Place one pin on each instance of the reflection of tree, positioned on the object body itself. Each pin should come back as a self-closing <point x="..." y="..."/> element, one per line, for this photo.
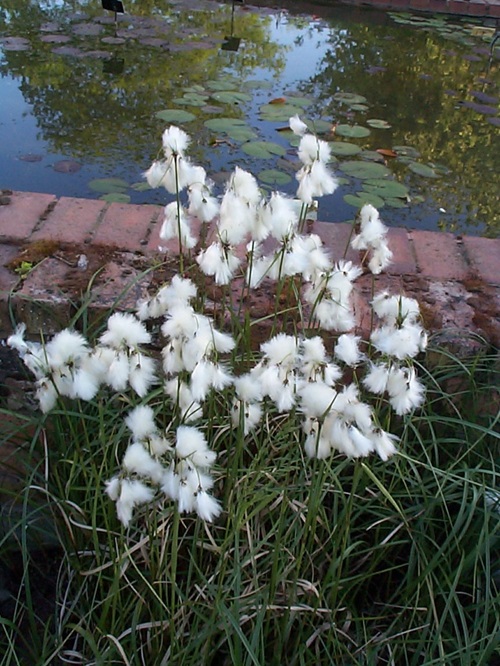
<point x="83" y="110"/>
<point x="411" y="93"/>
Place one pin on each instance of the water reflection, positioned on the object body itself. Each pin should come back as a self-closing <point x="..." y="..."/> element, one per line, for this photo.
<point x="91" y="93"/>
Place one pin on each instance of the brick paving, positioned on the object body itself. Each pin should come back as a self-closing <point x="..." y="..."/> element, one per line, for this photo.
<point x="473" y="8"/>
<point x="121" y="240"/>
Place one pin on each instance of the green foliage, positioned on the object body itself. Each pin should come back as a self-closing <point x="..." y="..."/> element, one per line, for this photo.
<point x="312" y="561"/>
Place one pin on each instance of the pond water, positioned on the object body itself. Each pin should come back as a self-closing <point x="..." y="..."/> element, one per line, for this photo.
<point x="409" y="103"/>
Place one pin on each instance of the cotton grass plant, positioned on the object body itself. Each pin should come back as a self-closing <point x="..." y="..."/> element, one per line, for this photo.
<point x="300" y="500"/>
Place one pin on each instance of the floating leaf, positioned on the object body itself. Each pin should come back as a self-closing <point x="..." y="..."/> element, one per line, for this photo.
<point x="67" y="166"/>
<point x="359" y="199"/>
<point x="406" y="151"/>
<point x="386" y="152"/>
<point x="299" y="101"/>
<point x="364" y="170"/>
<point x="289" y="136"/>
<point x="278" y="100"/>
<point x="319" y="126"/>
<point x="342" y="181"/>
<point x="231" y="96"/>
<point x="175" y="116"/>
<point x="222" y="84"/>
<point x="378" y="124"/>
<point x="196" y="88"/>
<point x="141" y="186"/>
<point x="386" y="188"/>
<point x="359" y="107"/>
<point x="274" y="177"/>
<point x="225" y="124"/>
<point x="259" y="85"/>
<point x="108" y="185"/>
<point x="344" y="148"/>
<point x="423" y="170"/>
<point x="241" y="133"/>
<point x="116" y="197"/>
<point x="352" y="131"/>
<point x="212" y="108"/>
<point x="191" y="99"/>
<point x="396" y="203"/>
<point x="481" y="108"/>
<point x="349" y="98"/>
<point x="372" y="156"/>
<point x="31" y="157"/>
<point x="278" y="112"/>
<point x="262" y="149"/>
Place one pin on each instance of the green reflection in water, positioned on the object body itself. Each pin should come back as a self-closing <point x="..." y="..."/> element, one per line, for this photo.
<point x="95" y="92"/>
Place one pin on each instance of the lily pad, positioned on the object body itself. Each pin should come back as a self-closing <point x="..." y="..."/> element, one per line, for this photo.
<point x="231" y="96"/>
<point x="386" y="188"/>
<point x="191" y="99"/>
<point x="349" y="98"/>
<point x="406" y="151"/>
<point x="396" y="203"/>
<point x="359" y="107"/>
<point x="108" y="185"/>
<point x="225" y="124"/>
<point x="175" y="116"/>
<point x="274" y="177"/>
<point x="352" y="131"/>
<point x="423" y="170"/>
<point x="318" y="126"/>
<point x="364" y="170"/>
<point x="116" y="197"/>
<point x="372" y="156"/>
<point x="263" y="149"/>
<point x="195" y="88"/>
<point x="343" y="148"/>
<point x="359" y="199"/>
<point x="258" y="85"/>
<point x="141" y="186"/>
<point x="222" y="84"/>
<point x="67" y="166"/>
<point x="376" y="123"/>
<point x="295" y="100"/>
<point x="241" y="134"/>
<point x="279" y="112"/>
<point x="31" y="157"/>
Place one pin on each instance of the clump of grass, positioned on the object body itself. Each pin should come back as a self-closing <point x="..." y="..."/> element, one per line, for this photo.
<point x="305" y="549"/>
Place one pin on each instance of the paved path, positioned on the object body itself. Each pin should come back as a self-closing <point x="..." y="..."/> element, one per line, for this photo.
<point x="478" y="8"/>
<point x="456" y="278"/>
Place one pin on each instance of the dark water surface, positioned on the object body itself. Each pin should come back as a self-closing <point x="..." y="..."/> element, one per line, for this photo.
<point x="408" y="100"/>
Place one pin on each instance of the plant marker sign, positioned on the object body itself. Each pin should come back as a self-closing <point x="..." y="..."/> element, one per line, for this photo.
<point x="115" y="6"/>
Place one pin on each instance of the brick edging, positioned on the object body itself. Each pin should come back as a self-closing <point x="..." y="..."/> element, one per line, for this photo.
<point x="445" y="269"/>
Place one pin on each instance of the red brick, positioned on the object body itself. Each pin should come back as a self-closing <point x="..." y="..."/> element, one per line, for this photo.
<point x="119" y="285"/>
<point x="43" y="303"/>
<point x="171" y="246"/>
<point x="438" y="255"/>
<point x="476" y="8"/>
<point x="400" y="4"/>
<point x="20" y="217"/>
<point x="124" y="226"/>
<point x="437" y="6"/>
<point x="71" y="221"/>
<point x="494" y="11"/>
<point x="457" y="6"/>
<point x="484" y="256"/>
<point x="336" y="237"/>
<point x="8" y="280"/>
<point x="403" y="262"/>
<point x="419" y="4"/>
